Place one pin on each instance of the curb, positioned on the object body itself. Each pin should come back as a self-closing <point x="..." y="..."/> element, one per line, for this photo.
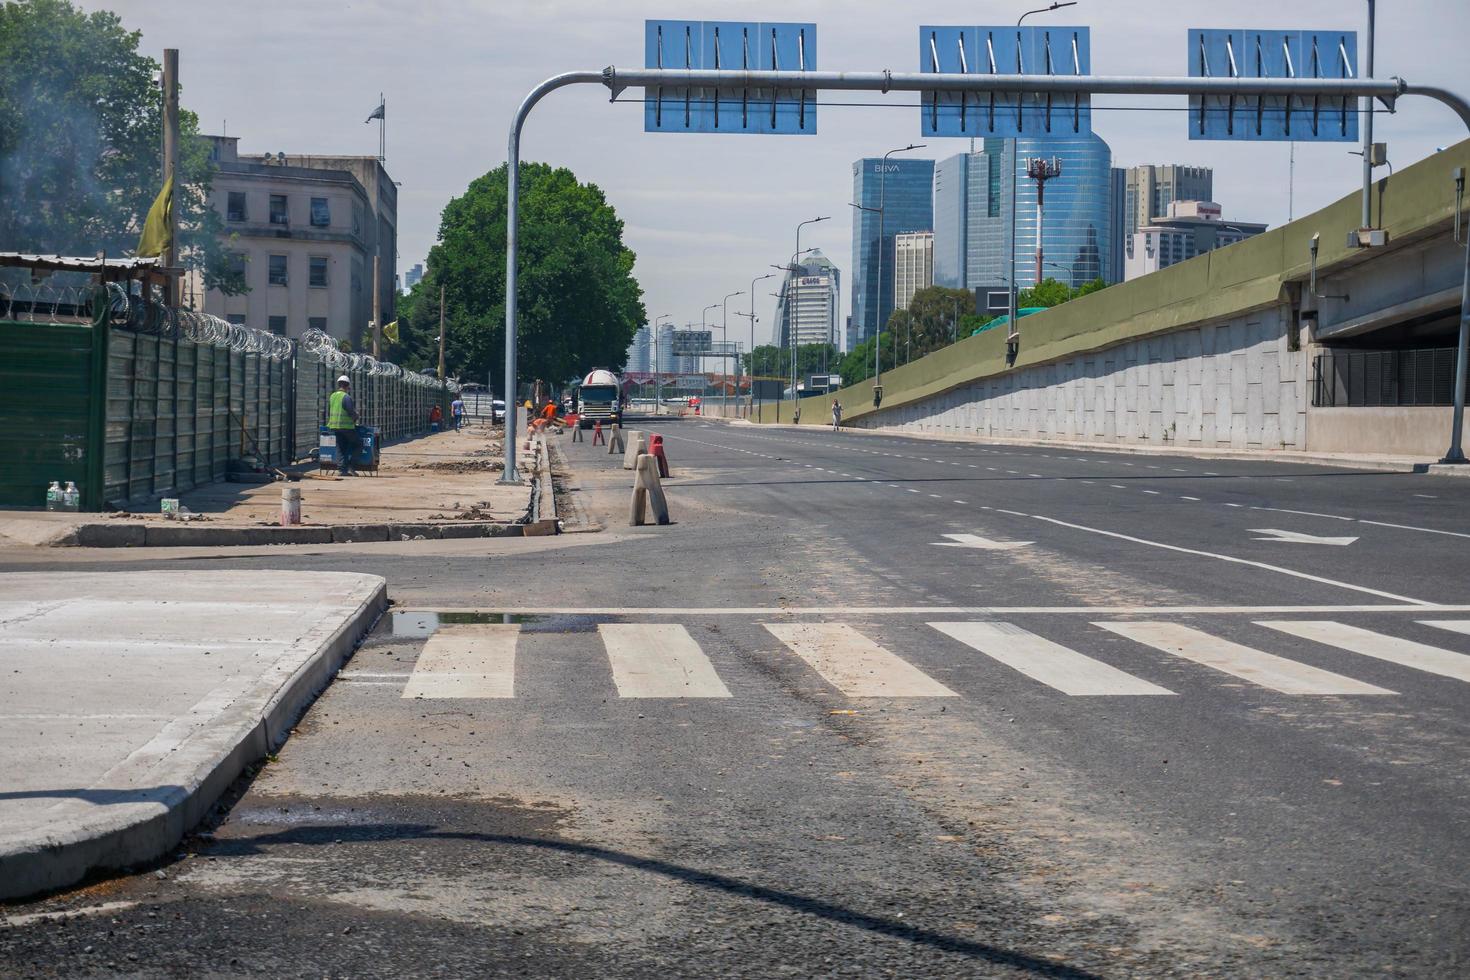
<point x="239" y="735"/>
<point x="580" y="520"/>
<point x="543" y="522"/>
<point x="187" y="536"/>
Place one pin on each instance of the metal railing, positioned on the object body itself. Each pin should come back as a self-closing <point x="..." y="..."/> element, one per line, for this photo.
<point x="1347" y="378"/>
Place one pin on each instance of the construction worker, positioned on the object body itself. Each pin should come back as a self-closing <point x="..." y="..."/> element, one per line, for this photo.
<point x="342" y="421"/>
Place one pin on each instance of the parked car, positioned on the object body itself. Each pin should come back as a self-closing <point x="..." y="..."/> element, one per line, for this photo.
<point x="497" y="410"/>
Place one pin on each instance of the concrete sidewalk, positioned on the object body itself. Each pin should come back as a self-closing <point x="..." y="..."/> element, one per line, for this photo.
<point x="130" y="700"/>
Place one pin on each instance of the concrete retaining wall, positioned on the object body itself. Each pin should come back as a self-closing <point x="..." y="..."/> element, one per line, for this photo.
<point x="1226" y="385"/>
<point x="1407" y="431"/>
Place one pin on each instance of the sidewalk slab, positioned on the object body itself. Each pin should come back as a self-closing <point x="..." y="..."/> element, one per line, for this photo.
<point x="129" y="701"/>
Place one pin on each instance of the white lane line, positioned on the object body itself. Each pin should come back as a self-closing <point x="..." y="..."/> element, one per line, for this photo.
<point x="1266" y="669"/>
<point x="1117" y="486"/>
<point x="659" y="660"/>
<point x="466" y="661"/>
<point x="1232" y="559"/>
<point x="1406" y="653"/>
<point x="1416" y="608"/>
<point x="911" y="490"/>
<point x="1195" y="499"/>
<point x="1037" y="475"/>
<point x="1427" y="496"/>
<point x="854" y="664"/>
<point x="1049" y="663"/>
<point x="1154" y="492"/>
<point x="1235" y="505"/>
<point x="961" y="503"/>
<point x="1453" y="625"/>
<point x="1303" y="513"/>
<point x="1410" y="527"/>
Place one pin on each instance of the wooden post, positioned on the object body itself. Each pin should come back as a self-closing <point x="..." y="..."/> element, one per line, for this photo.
<point x="377" y="308"/>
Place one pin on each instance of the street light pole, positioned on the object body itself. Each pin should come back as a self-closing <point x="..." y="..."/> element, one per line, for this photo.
<point x="1011" y="290"/>
<point x="658" y="379"/>
<point x="882" y="247"/>
<point x="791" y="294"/>
<point x="724" y="339"/>
<point x="750" y="408"/>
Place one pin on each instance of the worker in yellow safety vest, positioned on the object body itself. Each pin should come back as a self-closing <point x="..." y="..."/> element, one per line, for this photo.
<point x="342" y="420"/>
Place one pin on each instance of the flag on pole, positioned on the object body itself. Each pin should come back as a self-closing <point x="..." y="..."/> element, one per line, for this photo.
<point x="378" y="113"/>
<point x="390" y="332"/>
<point x="156" y="236"/>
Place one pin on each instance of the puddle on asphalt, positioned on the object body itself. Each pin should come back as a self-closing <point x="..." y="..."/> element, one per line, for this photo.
<point x="411" y="624"/>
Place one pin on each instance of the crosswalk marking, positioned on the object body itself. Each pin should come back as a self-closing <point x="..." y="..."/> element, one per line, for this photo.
<point x="854" y="664"/>
<point x="1407" y="653"/>
<point x="659" y="660"/>
<point x="1050" y="663"/>
<point x="1453" y="625"/>
<point x="466" y="662"/>
<point x="1265" y="669"/>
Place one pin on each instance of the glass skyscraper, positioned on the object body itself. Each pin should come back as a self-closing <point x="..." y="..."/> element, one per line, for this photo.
<point x="907" y="194"/>
<point x="972" y="192"/>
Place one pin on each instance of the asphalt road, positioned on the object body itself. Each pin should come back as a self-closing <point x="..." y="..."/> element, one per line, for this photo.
<point x="872" y="705"/>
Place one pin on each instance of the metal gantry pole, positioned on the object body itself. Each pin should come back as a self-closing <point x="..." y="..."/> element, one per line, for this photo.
<point x="724" y="339"/>
<point x="1385" y="90"/>
<point x="1368" y="131"/>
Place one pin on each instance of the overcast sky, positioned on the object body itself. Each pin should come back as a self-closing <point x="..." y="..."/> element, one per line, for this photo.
<point x="706" y="213"/>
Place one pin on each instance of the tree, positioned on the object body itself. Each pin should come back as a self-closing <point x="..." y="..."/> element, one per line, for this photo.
<point x="81" y="126"/>
<point x="857" y="364"/>
<point x="768" y="361"/>
<point x="579" y="304"/>
<point x="1049" y="292"/>
<point x="933" y="319"/>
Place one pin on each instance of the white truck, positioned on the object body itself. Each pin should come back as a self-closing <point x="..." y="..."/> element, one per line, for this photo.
<point x="600" y="399"/>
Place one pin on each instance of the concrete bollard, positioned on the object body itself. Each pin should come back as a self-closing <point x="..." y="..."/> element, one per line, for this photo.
<point x="615" y="443"/>
<point x="637" y="446"/>
<point x="290" y="506"/>
<point x="648" y="491"/>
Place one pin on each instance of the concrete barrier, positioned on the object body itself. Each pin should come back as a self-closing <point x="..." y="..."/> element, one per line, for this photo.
<point x="637" y="446"/>
<point x="648" y="492"/>
<point x="615" y="440"/>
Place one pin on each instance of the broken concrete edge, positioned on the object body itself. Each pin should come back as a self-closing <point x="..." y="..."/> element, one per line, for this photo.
<point x="545" y="491"/>
<point x="1386" y="465"/>
<point x="572" y="512"/>
<point x="187" y="536"/>
<point x="215" y="755"/>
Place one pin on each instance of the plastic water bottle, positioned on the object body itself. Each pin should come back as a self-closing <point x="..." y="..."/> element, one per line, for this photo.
<point x="71" y="497"/>
<point x="53" y="496"/>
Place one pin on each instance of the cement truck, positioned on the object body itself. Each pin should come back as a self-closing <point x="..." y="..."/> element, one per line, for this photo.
<point x="600" y="399"/>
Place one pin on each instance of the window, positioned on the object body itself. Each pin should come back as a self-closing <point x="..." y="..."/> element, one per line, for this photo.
<point x="278" y="270"/>
<point x="279" y="215"/>
<point x="317" y="323"/>
<point x="278" y="325"/>
<point x="238" y="319"/>
<point x="321" y="212"/>
<point x="318" y="275"/>
<point x="235" y="210"/>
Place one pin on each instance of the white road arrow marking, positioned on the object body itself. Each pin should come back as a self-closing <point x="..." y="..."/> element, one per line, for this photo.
<point x="1297" y="537"/>
<point x="975" y="541"/>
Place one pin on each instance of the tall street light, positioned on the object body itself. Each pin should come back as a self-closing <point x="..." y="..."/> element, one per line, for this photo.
<point x="791" y="312"/>
<point x="658" y="379"/>
<point x="704" y="361"/>
<point x="878" y="304"/>
<point x="769" y="275"/>
<point x="725" y="322"/>
<point x="1011" y="329"/>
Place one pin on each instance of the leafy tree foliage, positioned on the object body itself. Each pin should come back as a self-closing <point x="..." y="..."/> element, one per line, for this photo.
<point x="81" y="127"/>
<point x="936" y="317"/>
<point x="579" y="303"/>
<point x="857" y="364"/>
<point x="770" y="361"/>
<point x="1049" y="292"/>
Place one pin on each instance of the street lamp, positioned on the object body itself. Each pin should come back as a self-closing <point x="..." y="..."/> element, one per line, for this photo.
<point x="724" y="322"/>
<point x="791" y="312"/>
<point x="878" y="304"/>
<point x="658" y="379"/>
<point x="1013" y="347"/>
<point x="751" y="406"/>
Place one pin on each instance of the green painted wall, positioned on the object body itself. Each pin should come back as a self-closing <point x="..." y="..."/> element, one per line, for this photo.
<point x="46" y="404"/>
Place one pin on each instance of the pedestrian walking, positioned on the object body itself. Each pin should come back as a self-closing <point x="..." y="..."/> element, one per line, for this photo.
<point x="456" y="408"/>
<point x="836" y="415"/>
<point x="342" y="421"/>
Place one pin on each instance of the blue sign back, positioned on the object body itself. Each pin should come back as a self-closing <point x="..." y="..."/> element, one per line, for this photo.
<point x="1273" y="54"/>
<point x="729" y="46"/>
<point x="1005" y="51"/>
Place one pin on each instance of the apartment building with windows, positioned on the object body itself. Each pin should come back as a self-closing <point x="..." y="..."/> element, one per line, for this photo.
<point x="303" y="231"/>
<point x="913" y="265"/>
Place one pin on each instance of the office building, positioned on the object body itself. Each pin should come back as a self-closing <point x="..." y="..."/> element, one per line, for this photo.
<point x="303" y="231"/>
<point x="972" y="219"/>
<point x="1151" y="188"/>
<point x="1190" y="228"/>
<point x="809" y="296"/>
<point x="413" y="276"/>
<point x="640" y="352"/>
<point x="913" y="265"/>
<point x="905" y="189"/>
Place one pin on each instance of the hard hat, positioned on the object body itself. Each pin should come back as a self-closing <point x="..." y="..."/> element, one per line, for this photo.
<point x="344" y="380"/>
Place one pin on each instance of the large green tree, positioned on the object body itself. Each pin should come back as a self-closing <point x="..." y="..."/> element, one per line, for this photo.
<point x="80" y="134"/>
<point x="579" y="303"/>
